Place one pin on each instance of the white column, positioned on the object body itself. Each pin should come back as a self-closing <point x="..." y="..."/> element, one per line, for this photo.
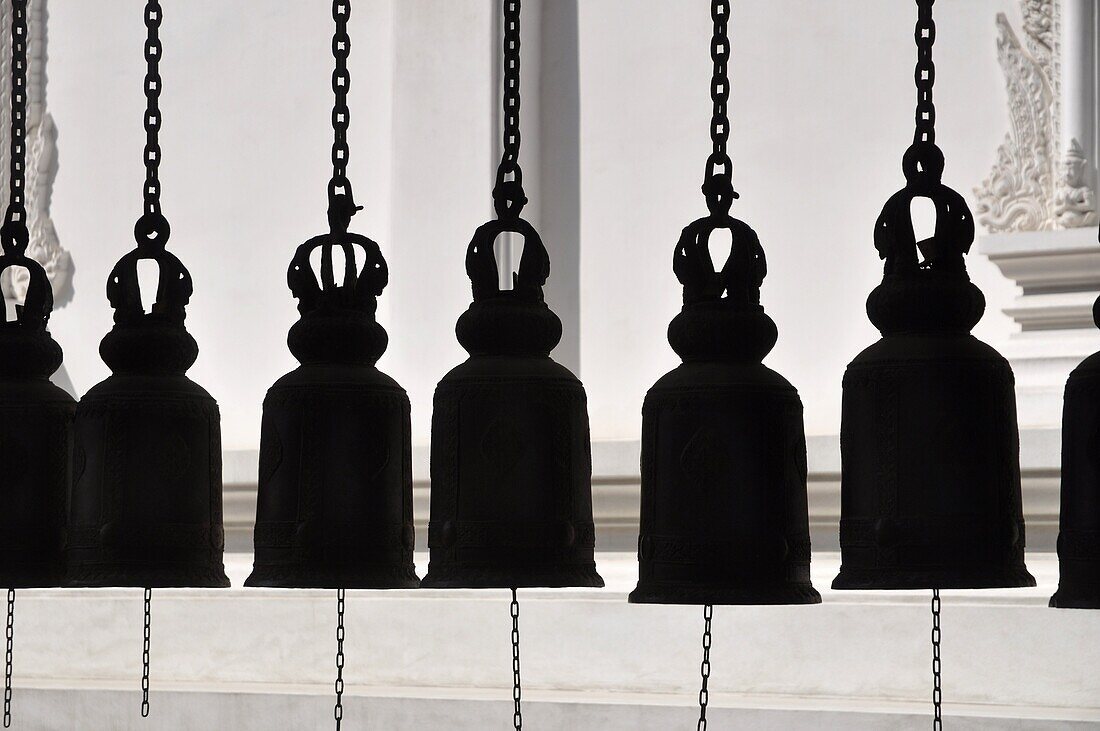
<point x="1079" y="95"/>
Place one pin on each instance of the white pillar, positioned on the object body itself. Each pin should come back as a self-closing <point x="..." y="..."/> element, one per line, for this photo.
<point x="1079" y="95"/>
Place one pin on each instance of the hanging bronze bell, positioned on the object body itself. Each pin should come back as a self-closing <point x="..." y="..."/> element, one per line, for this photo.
<point x="930" y="483"/>
<point x="511" y="470"/>
<point x="1079" y="520"/>
<point x="36" y="420"/>
<point x="724" y="514"/>
<point x="335" y="489"/>
<point x="146" y="504"/>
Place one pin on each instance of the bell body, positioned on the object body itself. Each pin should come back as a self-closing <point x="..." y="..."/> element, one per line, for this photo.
<point x="146" y="501"/>
<point x="930" y="467"/>
<point x="335" y="495"/>
<point x="146" y="507"/>
<point x="335" y="486"/>
<point x="723" y="514"/>
<point x="511" y="470"/>
<point x="36" y="421"/>
<point x="1079" y="522"/>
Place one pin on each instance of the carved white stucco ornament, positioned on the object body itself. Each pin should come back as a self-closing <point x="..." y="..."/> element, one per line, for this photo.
<point x="44" y="246"/>
<point x="1039" y="181"/>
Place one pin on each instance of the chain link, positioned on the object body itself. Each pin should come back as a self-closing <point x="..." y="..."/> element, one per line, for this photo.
<point x="937" y="694"/>
<point x="510" y="158"/>
<point x="704" y="668"/>
<point x="145" y="654"/>
<point x="17" y="211"/>
<point x="720" y="82"/>
<point x="508" y="195"/>
<point x="338" y="710"/>
<point x="10" y="634"/>
<point x="925" y="74"/>
<point x="153" y="52"/>
<point x="718" y="180"/>
<point x="341" y="84"/>
<point x="517" y="715"/>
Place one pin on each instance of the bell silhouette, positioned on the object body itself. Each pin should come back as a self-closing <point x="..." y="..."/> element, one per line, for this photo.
<point x="335" y="486"/>
<point x="35" y="431"/>
<point x="146" y="504"/>
<point x="930" y="483"/>
<point x="1079" y="520"/>
<point x="511" y="468"/>
<point x="724" y="515"/>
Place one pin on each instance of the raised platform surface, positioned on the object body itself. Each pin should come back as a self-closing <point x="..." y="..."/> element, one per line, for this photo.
<point x="263" y="659"/>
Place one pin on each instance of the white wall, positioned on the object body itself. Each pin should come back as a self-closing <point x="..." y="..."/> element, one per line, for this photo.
<point x="822" y="110"/>
<point x="822" y="106"/>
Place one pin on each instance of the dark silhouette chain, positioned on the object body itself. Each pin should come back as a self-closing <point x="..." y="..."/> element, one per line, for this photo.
<point x="145" y="654"/>
<point x="704" y="668"/>
<point x="937" y="692"/>
<point x="153" y="52"/>
<point x="338" y="710"/>
<point x="508" y="195"/>
<point x="341" y="115"/>
<point x="17" y="211"/>
<point x="10" y="634"/>
<point x="718" y="180"/>
<point x="720" y="82"/>
<point x="510" y="158"/>
<point x="517" y="715"/>
<point x="925" y="75"/>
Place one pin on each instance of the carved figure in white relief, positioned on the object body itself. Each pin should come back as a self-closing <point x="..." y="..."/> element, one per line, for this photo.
<point x="1031" y="186"/>
<point x="1074" y="200"/>
<point x="1016" y="195"/>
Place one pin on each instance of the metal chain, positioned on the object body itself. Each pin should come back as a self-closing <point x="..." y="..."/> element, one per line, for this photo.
<point x="720" y="82"/>
<point x="10" y="634"/>
<point x="937" y="693"/>
<point x="341" y="84"/>
<point x="508" y="195"/>
<point x="153" y="52"/>
<point x="17" y="211"/>
<point x="704" y="668"/>
<point x="517" y="715"/>
<point x="145" y="655"/>
<point x="718" y="180"/>
<point x="925" y="74"/>
<point x="510" y="159"/>
<point x="338" y="711"/>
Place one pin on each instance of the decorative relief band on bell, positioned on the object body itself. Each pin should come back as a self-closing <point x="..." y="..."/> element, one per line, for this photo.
<point x="518" y="534"/>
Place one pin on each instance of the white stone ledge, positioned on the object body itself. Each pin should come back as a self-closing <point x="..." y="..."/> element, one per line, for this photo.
<point x="615" y="491"/>
<point x="243" y="658"/>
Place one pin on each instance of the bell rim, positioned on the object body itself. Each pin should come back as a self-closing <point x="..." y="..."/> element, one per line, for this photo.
<point x="512" y="577"/>
<point x="1063" y="599"/>
<point x="801" y="594"/>
<point x="122" y="576"/>
<point x="901" y="580"/>
<point x="303" y="577"/>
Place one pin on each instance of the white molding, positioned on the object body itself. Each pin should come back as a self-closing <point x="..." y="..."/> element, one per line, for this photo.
<point x="616" y="491"/>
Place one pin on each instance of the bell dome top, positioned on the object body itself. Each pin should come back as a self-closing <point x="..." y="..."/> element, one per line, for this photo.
<point x="925" y="285"/>
<point x="338" y="303"/>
